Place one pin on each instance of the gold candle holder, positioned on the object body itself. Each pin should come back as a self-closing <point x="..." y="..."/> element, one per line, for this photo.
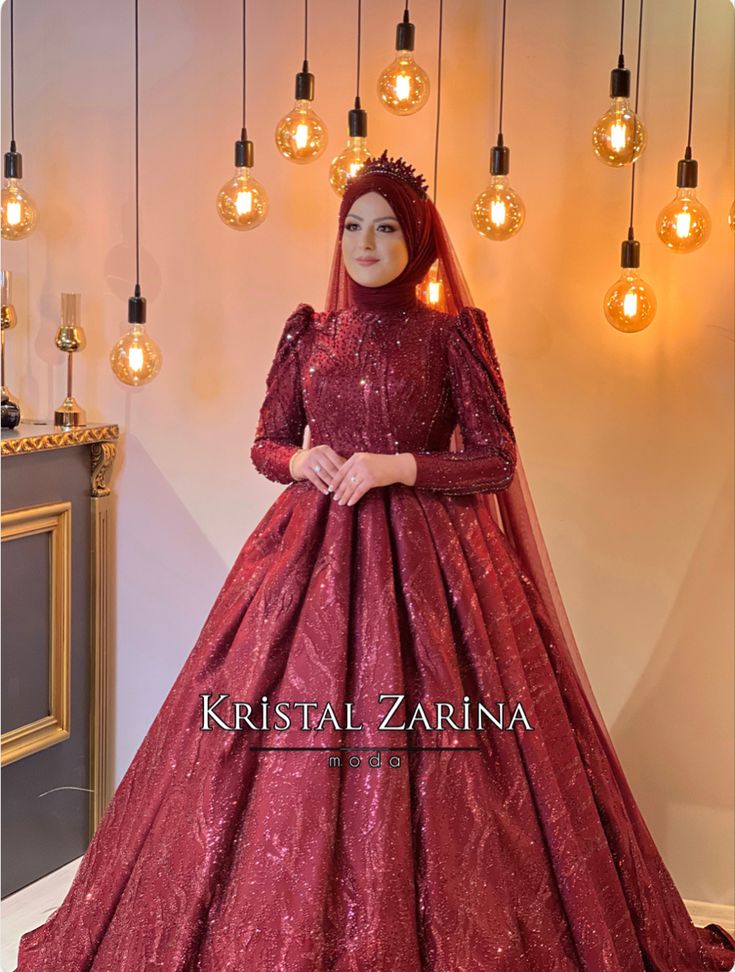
<point x="9" y="407"/>
<point x="70" y="338"/>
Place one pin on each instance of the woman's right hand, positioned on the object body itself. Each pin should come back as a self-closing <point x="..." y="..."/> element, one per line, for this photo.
<point x="318" y="464"/>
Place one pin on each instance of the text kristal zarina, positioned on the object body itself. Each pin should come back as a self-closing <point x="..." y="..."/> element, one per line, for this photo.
<point x="398" y="715"/>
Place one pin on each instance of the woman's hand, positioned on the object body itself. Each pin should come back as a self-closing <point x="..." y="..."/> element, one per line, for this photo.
<point x="319" y="465"/>
<point x="371" y="469"/>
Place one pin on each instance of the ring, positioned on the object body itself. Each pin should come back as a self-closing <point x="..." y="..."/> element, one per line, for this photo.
<point x="353" y="478"/>
<point x="317" y="468"/>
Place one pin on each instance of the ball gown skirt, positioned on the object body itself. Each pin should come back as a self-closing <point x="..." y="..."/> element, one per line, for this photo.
<point x="507" y="848"/>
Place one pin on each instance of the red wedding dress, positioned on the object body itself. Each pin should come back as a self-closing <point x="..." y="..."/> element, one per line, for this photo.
<point x="524" y="852"/>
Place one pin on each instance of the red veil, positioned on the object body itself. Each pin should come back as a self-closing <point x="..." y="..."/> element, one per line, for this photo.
<point x="512" y="508"/>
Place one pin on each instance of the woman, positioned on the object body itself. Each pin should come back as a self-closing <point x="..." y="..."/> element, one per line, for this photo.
<point x="318" y="791"/>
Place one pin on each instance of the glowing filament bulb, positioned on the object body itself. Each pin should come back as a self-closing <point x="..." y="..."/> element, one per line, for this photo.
<point x="135" y="359"/>
<point x="498" y="212"/>
<point x="244" y="202"/>
<point x="684" y="224"/>
<point x="630" y="303"/>
<point x="13" y="212"/>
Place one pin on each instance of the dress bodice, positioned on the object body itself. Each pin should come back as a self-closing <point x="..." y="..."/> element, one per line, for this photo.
<point x="390" y="382"/>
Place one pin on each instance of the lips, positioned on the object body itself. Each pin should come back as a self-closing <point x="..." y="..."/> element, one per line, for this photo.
<point x="366" y="261"/>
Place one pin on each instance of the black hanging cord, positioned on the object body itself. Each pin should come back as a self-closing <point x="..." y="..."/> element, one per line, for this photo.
<point x="306" y="29"/>
<point x="438" y="96"/>
<point x="502" y="78"/>
<point x="688" y="153"/>
<point x="622" y="30"/>
<point x="637" y="86"/>
<point x="244" y="62"/>
<point x="12" y="80"/>
<point x="405" y="12"/>
<point x="137" y="191"/>
<point x="359" y="35"/>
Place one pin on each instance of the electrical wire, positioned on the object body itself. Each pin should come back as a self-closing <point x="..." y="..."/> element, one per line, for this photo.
<point x="438" y="96"/>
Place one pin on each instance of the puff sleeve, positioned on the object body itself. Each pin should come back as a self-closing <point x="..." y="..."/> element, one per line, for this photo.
<point x="282" y="420"/>
<point x="487" y="460"/>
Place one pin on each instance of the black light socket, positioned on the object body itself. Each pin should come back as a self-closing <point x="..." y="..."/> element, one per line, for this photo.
<point x="499" y="160"/>
<point x="686" y="174"/>
<point x="136" y="310"/>
<point x="357" y="121"/>
<point x="305" y="84"/>
<point x="244" y="153"/>
<point x="405" y="34"/>
<point x="13" y="163"/>
<point x="630" y="254"/>
<point x="620" y="82"/>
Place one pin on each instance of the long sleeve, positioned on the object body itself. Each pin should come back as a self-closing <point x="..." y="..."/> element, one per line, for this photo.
<point x="487" y="460"/>
<point x="282" y="419"/>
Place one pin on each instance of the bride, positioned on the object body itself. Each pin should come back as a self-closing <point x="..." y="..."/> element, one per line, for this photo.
<point x="404" y="559"/>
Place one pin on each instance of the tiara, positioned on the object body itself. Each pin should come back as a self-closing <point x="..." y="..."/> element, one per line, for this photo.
<point x="398" y="168"/>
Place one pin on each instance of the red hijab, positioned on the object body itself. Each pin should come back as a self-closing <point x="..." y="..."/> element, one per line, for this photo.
<point x="413" y="213"/>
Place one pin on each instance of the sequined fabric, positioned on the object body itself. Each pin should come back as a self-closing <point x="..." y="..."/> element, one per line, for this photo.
<point x="522" y="851"/>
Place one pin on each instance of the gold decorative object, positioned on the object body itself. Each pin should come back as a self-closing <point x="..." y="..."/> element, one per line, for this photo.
<point x="10" y="407"/>
<point x="70" y="338"/>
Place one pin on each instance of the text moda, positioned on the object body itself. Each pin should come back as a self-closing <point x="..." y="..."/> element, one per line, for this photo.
<point x="441" y="718"/>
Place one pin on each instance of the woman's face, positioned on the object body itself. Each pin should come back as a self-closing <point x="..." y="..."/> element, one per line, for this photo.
<point x="374" y="248"/>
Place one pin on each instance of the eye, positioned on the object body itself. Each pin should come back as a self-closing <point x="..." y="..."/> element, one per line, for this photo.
<point x="351" y="225"/>
<point x="388" y="227"/>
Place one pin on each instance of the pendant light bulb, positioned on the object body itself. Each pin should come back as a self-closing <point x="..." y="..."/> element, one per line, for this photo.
<point x="431" y="290"/>
<point x="619" y="137"/>
<point x="348" y="163"/>
<point x="630" y="304"/>
<point x="301" y="135"/>
<point x="355" y="154"/>
<point x="403" y="87"/>
<point x="498" y="212"/>
<point x="19" y="213"/>
<point x="136" y="358"/>
<point x="731" y="217"/>
<point x="684" y="224"/>
<point x="242" y="203"/>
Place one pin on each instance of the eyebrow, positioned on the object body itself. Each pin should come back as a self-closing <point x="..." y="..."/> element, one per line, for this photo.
<point x="378" y="220"/>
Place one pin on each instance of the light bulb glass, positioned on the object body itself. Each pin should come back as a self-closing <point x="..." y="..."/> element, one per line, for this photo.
<point x="242" y="203"/>
<point x="619" y="137"/>
<point x="684" y="224"/>
<point x="19" y="213"/>
<point x="403" y="86"/>
<point x="431" y="290"/>
<point x="301" y="135"/>
<point x="136" y="358"/>
<point x="348" y="163"/>
<point x="630" y="304"/>
<point x="498" y="212"/>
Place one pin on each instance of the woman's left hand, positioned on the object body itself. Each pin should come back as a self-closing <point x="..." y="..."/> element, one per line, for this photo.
<point x="370" y="469"/>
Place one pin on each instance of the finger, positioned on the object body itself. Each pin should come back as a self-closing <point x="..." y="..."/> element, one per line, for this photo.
<point x="345" y="470"/>
<point x="324" y="475"/>
<point x="357" y="494"/>
<point x="323" y="467"/>
<point x="347" y="487"/>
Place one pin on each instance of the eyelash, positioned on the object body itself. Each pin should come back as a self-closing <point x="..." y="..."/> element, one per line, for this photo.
<point x="381" y="226"/>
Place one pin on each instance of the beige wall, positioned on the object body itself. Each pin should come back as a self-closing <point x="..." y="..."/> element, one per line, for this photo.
<point x="627" y="440"/>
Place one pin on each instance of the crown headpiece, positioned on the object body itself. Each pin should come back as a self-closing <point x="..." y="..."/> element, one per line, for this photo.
<point x="398" y="168"/>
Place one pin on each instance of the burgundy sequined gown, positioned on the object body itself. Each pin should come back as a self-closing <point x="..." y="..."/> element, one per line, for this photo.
<point x="519" y="855"/>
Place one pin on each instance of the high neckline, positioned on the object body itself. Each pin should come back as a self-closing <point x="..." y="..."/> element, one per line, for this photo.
<point x="389" y="311"/>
